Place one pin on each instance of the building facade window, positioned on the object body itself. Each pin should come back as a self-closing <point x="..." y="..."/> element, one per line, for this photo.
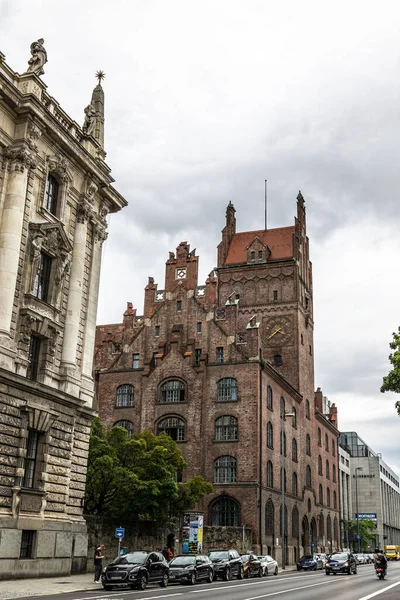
<point x="320" y="466"/>
<point x="33" y="357"/>
<point x="269" y="397"/>
<point x="225" y="512"/>
<point x="334" y="473"/>
<point x="27" y="543"/>
<point x="172" y="426"/>
<point x="283" y="407"/>
<point x="179" y="306"/>
<point x="260" y="255"/>
<point x="270" y="518"/>
<point x="320" y="494"/>
<point x="326" y="443"/>
<point x="124" y="396"/>
<point x="172" y="391"/>
<point x="319" y="437"/>
<point x="275" y="295"/>
<point x="294" y="449"/>
<point x="294" y="483"/>
<point x="219" y="355"/>
<point x="154" y="359"/>
<point x="270" y="474"/>
<point x="135" y="361"/>
<point x="199" y="327"/>
<point x="283" y="472"/>
<point x="31" y="459"/>
<point x="329" y="528"/>
<point x="225" y="469"/>
<point x="252" y="256"/>
<point x="128" y="425"/>
<point x="295" y="522"/>
<point x="294" y="418"/>
<point x="327" y="470"/>
<point x="226" y="429"/>
<point x="333" y="448"/>
<point x="284" y="444"/>
<point x="227" y="390"/>
<point x="307" y="409"/>
<point x="334" y="499"/>
<point x="321" y="526"/>
<point x="197" y="355"/>
<point x="41" y="285"/>
<point x="328" y="497"/>
<point x="308" y="445"/>
<point x="157" y="331"/>
<point x="270" y="435"/>
<point x="51" y="195"/>
<point x="308" y="476"/>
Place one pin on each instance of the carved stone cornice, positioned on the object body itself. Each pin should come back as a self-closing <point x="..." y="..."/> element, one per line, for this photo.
<point x="59" y="165"/>
<point x="84" y="211"/>
<point x="18" y="159"/>
<point x="100" y="232"/>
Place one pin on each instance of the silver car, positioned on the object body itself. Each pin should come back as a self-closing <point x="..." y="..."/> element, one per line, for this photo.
<point x="268" y="564"/>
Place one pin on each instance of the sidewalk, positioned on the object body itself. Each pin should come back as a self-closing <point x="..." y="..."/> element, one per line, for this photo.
<point x="20" y="588"/>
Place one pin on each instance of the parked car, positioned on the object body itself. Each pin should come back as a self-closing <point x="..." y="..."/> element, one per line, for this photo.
<point x="189" y="569"/>
<point x="251" y="565"/>
<point x="269" y="565"/>
<point x="136" y="570"/>
<point x="360" y="558"/>
<point x="341" y="562"/>
<point x="309" y="562"/>
<point x="227" y="564"/>
<point x="323" y="557"/>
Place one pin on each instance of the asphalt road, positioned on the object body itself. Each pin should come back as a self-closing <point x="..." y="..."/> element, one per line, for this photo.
<point x="286" y="586"/>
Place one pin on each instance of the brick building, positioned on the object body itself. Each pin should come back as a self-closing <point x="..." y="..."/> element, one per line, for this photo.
<point x="215" y="366"/>
<point x="55" y="193"/>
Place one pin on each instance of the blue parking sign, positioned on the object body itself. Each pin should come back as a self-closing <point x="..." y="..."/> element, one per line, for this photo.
<point x="120" y="532"/>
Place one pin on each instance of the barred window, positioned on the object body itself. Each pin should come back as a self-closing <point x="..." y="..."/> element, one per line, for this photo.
<point x="128" y="425"/>
<point x="226" y="429"/>
<point x="124" y="395"/>
<point x="294" y="449"/>
<point x="225" y="512"/>
<point x="226" y="390"/>
<point x="174" y="427"/>
<point x="270" y="518"/>
<point x="225" y="469"/>
<point x="270" y="435"/>
<point x="172" y="391"/>
<point x="270" y="474"/>
<point x="269" y="397"/>
<point x="294" y="483"/>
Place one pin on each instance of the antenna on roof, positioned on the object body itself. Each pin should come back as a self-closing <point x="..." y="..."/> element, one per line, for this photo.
<point x="265" y="204"/>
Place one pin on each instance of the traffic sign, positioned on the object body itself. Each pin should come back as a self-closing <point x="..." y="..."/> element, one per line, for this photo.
<point x="120" y="533"/>
<point x="358" y="536"/>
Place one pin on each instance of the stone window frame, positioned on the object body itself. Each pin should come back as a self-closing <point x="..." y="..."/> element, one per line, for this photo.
<point x="57" y="168"/>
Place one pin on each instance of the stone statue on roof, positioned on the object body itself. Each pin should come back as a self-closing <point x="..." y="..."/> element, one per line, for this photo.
<point x="90" y="120"/>
<point x="38" y="58"/>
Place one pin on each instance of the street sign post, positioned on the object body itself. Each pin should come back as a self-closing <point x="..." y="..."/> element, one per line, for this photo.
<point x="119" y="534"/>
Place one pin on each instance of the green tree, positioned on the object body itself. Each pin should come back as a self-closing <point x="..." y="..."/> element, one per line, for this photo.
<point x="365" y="528"/>
<point x="134" y="477"/>
<point x="391" y="382"/>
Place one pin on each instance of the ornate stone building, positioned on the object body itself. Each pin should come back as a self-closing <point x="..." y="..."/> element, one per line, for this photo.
<point x="215" y="366"/>
<point x="55" y="194"/>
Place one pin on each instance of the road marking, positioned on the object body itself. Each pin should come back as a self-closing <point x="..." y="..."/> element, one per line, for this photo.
<point x="380" y="591"/>
<point x="289" y="590"/>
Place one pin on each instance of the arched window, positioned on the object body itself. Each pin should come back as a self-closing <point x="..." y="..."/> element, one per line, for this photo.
<point x="319" y="465"/>
<point x="283" y="409"/>
<point x="225" y="469"/>
<point x="335" y="530"/>
<point x="269" y="397"/>
<point x="270" y="518"/>
<point x="226" y="429"/>
<point x="294" y="483"/>
<point x="294" y="418"/>
<point x="51" y="195"/>
<point x="308" y="476"/>
<point x="226" y="390"/>
<point x="307" y="409"/>
<point x="270" y="435"/>
<point x="327" y="469"/>
<point x="334" y="500"/>
<point x="284" y="443"/>
<point x="286" y="519"/>
<point x="270" y="475"/>
<point x="329" y="527"/>
<point x="320" y="494"/>
<point x="295" y="522"/>
<point x="225" y="512"/>
<point x="172" y="391"/>
<point x="283" y="471"/>
<point x="172" y="426"/>
<point x="124" y="395"/>
<point x="319" y="437"/>
<point x="333" y="448"/>
<point x="294" y="450"/>
<point x="326" y="443"/>
<point x="328" y="497"/>
<point x="308" y="445"/>
<point x="321" y="526"/>
<point x="334" y="473"/>
<point x="128" y="425"/>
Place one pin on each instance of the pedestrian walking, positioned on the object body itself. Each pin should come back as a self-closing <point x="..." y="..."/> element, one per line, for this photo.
<point x="98" y="562"/>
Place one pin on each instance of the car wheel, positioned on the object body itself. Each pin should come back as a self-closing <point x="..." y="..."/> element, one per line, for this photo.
<point x="315" y="568"/>
<point x="164" y="580"/>
<point x="240" y="573"/>
<point x="227" y="574"/>
<point x="192" y="579"/>
<point x="142" y="582"/>
<point x="275" y="572"/>
<point x="260" y="572"/>
<point x="210" y="577"/>
<point x="299" y="568"/>
<point x="247" y="574"/>
<point x="355" y="570"/>
<point x="327" y="572"/>
<point x="107" y="587"/>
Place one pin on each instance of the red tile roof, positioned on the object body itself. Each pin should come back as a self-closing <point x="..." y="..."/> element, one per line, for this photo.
<point x="279" y="241"/>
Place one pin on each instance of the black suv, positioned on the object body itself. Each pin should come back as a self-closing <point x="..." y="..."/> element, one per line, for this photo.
<point x="189" y="569"/>
<point x="136" y="570"/>
<point x="227" y="564"/>
<point x="341" y="562"/>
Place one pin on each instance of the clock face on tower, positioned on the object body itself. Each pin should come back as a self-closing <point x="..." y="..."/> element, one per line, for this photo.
<point x="180" y="273"/>
<point x="278" y="331"/>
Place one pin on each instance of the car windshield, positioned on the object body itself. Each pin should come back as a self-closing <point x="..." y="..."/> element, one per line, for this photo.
<point x="245" y="557"/>
<point x="182" y="561"/>
<point x="307" y="557"/>
<point x="263" y="558"/>
<point x="218" y="555"/>
<point x="339" y="556"/>
<point x="130" y="559"/>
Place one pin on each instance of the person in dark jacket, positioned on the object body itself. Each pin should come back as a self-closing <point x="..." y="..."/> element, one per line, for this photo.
<point x="98" y="562"/>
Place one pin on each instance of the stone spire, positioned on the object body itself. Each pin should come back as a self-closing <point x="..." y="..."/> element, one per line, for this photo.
<point x="98" y="103"/>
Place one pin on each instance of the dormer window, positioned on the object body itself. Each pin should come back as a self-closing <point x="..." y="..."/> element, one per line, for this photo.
<point x="51" y="194"/>
<point x="252" y="256"/>
<point x="260" y="255"/>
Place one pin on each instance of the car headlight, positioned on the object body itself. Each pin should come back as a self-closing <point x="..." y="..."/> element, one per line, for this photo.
<point x="346" y="564"/>
<point x="189" y="568"/>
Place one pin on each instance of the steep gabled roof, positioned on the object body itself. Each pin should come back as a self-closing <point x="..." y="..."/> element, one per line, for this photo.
<point x="279" y="241"/>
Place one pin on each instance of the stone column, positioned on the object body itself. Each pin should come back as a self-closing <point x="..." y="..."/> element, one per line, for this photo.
<point x="11" y="223"/>
<point x="99" y="235"/>
<point x="74" y="303"/>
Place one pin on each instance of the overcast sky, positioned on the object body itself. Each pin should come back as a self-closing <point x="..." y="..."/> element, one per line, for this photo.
<point x="206" y="99"/>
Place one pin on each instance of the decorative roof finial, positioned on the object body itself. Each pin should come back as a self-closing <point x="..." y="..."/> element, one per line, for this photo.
<point x="100" y="76"/>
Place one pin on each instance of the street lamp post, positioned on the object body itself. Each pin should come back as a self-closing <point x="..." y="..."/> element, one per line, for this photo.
<point x="357" y="517"/>
<point x="283" y="417"/>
